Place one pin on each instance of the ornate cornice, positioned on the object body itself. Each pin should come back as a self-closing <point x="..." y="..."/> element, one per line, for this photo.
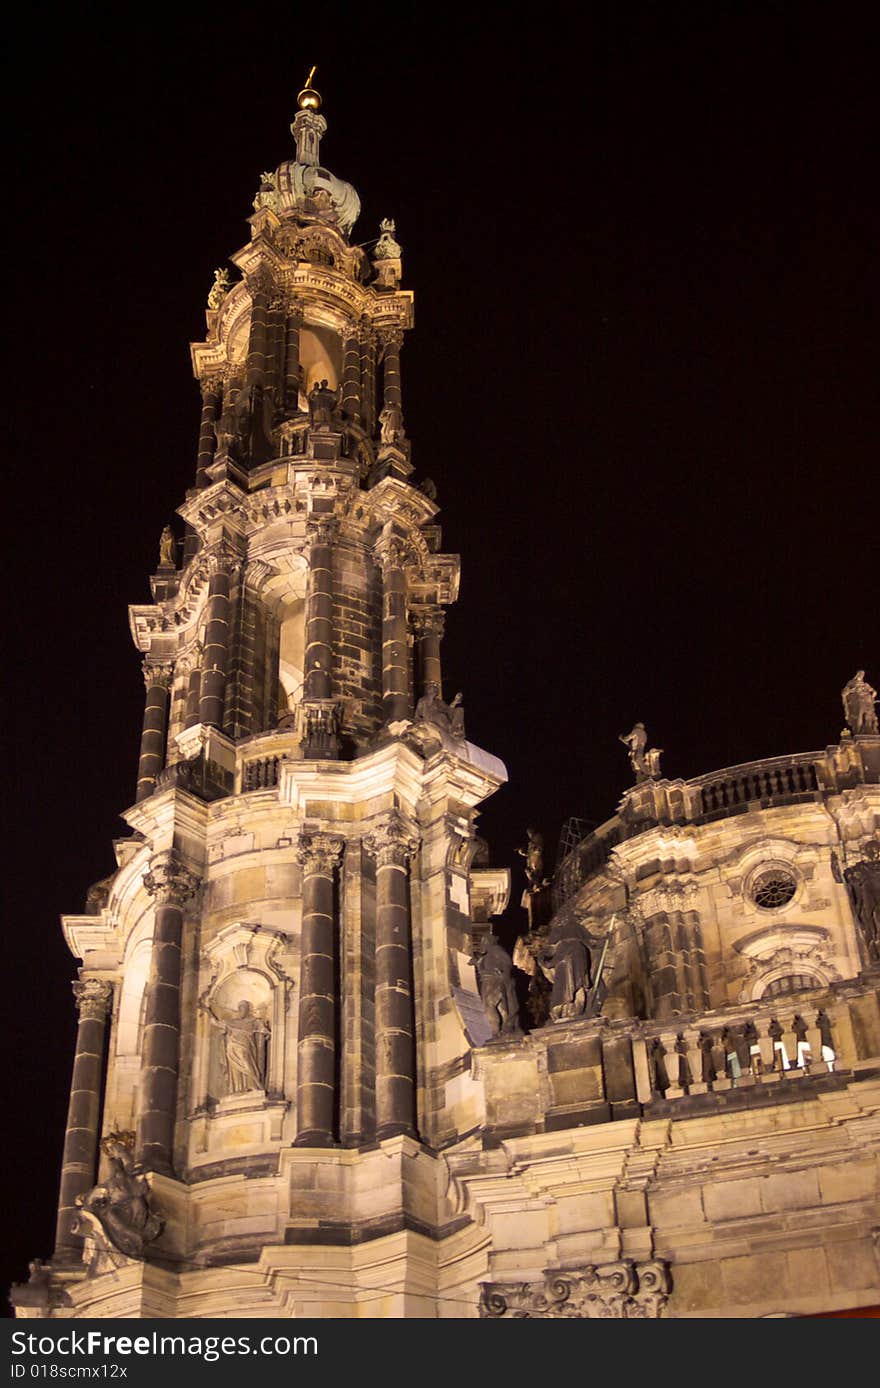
<point x="621" y="1291"/>
<point x="93" y="997"/>
<point x="392" y="841"/>
<point x="669" y="897"/>
<point x="319" y="853"/>
<point x="169" y="881"/>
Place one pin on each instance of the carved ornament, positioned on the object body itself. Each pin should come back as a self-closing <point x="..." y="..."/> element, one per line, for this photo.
<point x="613" y="1291"/>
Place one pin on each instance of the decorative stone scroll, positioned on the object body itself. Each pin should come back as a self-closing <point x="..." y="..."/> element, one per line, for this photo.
<point x="613" y="1291"/>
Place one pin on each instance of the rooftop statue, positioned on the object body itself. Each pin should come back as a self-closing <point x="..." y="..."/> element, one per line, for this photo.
<point x="167" y="549"/>
<point x="644" y="762"/>
<point x="386" y="247"/>
<point x="498" y="990"/>
<point x="859" y="700"/>
<point x="219" y="289"/>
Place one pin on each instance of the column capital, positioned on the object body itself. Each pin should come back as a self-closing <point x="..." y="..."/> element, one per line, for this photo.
<point x="392" y="841"/>
<point x="93" y="997"/>
<point x="319" y="852"/>
<point x="156" y="674"/>
<point x="391" y="337"/>
<point x="169" y="881"/>
<point x="222" y="558"/>
<point x="260" y="282"/>
<point x="323" y="531"/>
<point x="211" y="385"/>
<point x="393" y="553"/>
<point x="428" y="621"/>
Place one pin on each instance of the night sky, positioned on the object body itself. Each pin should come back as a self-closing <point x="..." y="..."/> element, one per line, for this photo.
<point x="643" y="377"/>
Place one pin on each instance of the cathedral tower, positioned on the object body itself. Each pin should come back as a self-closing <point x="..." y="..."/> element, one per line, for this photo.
<point x="270" y="961"/>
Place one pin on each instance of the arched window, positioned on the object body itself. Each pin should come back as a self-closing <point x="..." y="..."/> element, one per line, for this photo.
<point x="291" y="655"/>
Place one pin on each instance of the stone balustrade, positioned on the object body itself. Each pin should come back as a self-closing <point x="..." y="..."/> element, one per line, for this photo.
<point x="258" y="760"/>
<point x="569" y="1073"/>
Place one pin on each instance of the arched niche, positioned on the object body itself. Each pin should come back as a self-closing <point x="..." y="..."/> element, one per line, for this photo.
<point x="320" y="355"/>
<point x="291" y="653"/>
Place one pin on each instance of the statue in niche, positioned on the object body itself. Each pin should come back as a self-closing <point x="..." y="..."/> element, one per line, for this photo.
<point x="859" y="701"/>
<point x="322" y="405"/>
<point x="120" y="1207"/>
<point x="391" y="426"/>
<point x="245" y="1048"/>
<point x="863" y="886"/>
<point x="219" y="289"/>
<point x="498" y="990"/>
<point x="432" y="709"/>
<point x="167" y="549"/>
<point x="645" y="762"/>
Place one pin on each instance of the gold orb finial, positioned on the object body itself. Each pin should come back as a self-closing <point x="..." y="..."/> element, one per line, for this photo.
<point x="308" y="99"/>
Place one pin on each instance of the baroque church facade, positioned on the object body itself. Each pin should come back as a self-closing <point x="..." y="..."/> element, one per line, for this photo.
<point x="307" y="1080"/>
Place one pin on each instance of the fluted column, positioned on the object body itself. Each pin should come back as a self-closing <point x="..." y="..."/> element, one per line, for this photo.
<point x="392" y="844"/>
<point x="292" y="369"/>
<point x="215" y="661"/>
<point x="212" y="389"/>
<point x="428" y="624"/>
<point x="157" y="679"/>
<point x="316" y="1082"/>
<point x="391" y="557"/>
<point x="93" y="997"/>
<point x="171" y="885"/>
<point x="319" y="613"/>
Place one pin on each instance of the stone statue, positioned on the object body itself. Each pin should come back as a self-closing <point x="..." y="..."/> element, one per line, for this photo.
<point x="750" y="1037"/>
<point x="568" y="964"/>
<point x="645" y="763"/>
<point x="245" y="1043"/>
<point x="167" y="549"/>
<point x="863" y="885"/>
<point x="858" y="705"/>
<point x="268" y="192"/>
<point x="657" y="1063"/>
<point x="804" y="1049"/>
<point x="707" y="1047"/>
<point x="534" y="856"/>
<point x="387" y="248"/>
<point x="432" y="709"/>
<point x="120" y="1208"/>
<point x="498" y="990"/>
<point x="391" y="426"/>
<point x="322" y="405"/>
<point x="685" y="1078"/>
<point x="219" y="289"/>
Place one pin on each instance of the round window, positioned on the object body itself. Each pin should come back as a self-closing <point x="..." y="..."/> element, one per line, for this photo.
<point x="773" y="888"/>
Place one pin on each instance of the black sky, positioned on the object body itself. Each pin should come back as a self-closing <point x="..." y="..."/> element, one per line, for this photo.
<point x="643" y="242"/>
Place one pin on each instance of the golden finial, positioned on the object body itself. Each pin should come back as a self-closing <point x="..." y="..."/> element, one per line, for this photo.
<point x="308" y="99"/>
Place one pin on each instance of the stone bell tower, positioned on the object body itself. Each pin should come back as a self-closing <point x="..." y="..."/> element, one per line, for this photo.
<point x="283" y="961"/>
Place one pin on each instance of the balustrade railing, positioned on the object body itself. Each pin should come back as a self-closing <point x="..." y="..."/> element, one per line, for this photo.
<point x="758" y="781"/>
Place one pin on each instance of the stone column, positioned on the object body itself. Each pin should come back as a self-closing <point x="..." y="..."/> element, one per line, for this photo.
<point x="319" y="613"/>
<point x="215" y="662"/>
<point x="157" y="679"/>
<point x="428" y="624"/>
<point x="93" y="997"/>
<point x="193" y="688"/>
<point x="390" y="555"/>
<point x="392" y="392"/>
<point x="392" y="844"/>
<point x="316" y="1080"/>
<point x="259" y="286"/>
<point x="171" y="885"/>
<point x="368" y="376"/>
<point x="212" y="388"/>
<point x="351" y="378"/>
<point x="292" y="370"/>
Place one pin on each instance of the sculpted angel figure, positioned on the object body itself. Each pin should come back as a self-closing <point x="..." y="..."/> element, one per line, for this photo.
<point x="219" y="289"/>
